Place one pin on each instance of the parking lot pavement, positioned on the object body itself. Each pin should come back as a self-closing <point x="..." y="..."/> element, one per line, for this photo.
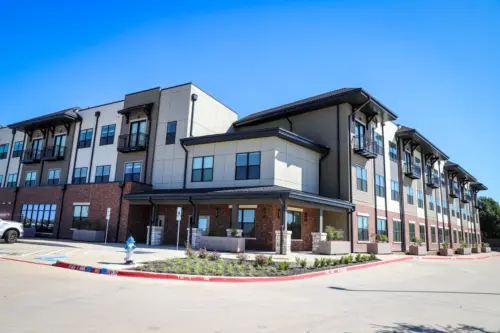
<point x="413" y="296"/>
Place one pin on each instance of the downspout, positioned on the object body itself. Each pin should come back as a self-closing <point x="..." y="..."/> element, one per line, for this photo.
<point x="77" y="136"/>
<point x="121" y="185"/>
<point x="338" y="150"/>
<point x="385" y="180"/>
<point x="8" y="158"/>
<point x="460" y="212"/>
<point x="153" y="209"/>
<point x="194" y="98"/>
<point x="156" y="133"/>
<point x="185" y="165"/>
<point x="448" y="210"/>
<point x="283" y="223"/>
<point x="59" y="224"/>
<point x="375" y="192"/>
<point x="97" y="115"/>
<point x="147" y="150"/>
<point x="290" y="122"/>
<point x="193" y="217"/>
<point x="18" y="180"/>
<point x="14" y="203"/>
<point x="442" y="208"/>
<point x="45" y="137"/>
<point x="401" y="196"/>
<point x="427" y="245"/>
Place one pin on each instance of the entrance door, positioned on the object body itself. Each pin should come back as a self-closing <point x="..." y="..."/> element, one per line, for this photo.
<point x="36" y="148"/>
<point x="59" y="145"/>
<point x="137" y="133"/>
<point x="359" y="132"/>
<point x="204" y="225"/>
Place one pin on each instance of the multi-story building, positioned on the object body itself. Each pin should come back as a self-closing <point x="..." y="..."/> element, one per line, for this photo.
<point x="277" y="177"/>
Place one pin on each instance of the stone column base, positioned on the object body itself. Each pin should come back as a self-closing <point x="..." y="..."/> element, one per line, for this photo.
<point x="316" y="238"/>
<point x="239" y="233"/>
<point x="196" y="238"/>
<point x="288" y="242"/>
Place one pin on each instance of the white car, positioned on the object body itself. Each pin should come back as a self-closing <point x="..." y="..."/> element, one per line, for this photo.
<point x="10" y="231"/>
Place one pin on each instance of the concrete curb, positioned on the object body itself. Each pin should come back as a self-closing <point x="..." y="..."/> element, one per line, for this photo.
<point x="198" y="278"/>
<point x="27" y="261"/>
<point x="459" y="257"/>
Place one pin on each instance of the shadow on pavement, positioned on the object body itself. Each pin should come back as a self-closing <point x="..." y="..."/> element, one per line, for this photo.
<point x="409" y="328"/>
<point x="415" y="291"/>
<point x="46" y="243"/>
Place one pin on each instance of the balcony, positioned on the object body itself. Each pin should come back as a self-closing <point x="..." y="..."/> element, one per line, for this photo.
<point x="364" y="146"/>
<point x="132" y="142"/>
<point x="433" y="182"/>
<point x="31" y="156"/>
<point x="54" y="153"/>
<point x="466" y="197"/>
<point x="412" y="171"/>
<point x="478" y="204"/>
<point x="454" y="192"/>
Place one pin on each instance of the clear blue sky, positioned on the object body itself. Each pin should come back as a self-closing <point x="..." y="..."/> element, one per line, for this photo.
<point x="434" y="63"/>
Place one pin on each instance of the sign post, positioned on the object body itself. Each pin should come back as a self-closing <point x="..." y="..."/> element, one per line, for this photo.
<point x="178" y="218"/>
<point x="108" y="215"/>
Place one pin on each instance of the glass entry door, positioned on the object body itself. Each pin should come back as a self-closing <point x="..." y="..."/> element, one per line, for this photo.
<point x="36" y="148"/>
<point x="59" y="145"/>
<point x="204" y="224"/>
<point x="359" y="133"/>
<point x="137" y="133"/>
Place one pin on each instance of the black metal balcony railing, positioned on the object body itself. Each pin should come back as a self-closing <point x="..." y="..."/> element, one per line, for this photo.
<point x="364" y="146"/>
<point x="478" y="204"/>
<point x="413" y="171"/>
<point x="32" y="156"/>
<point x="54" y="153"/>
<point x="454" y="191"/>
<point x="132" y="142"/>
<point x="466" y="197"/>
<point x="433" y="182"/>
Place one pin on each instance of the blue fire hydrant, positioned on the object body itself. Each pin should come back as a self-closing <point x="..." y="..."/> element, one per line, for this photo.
<point x="130" y="248"/>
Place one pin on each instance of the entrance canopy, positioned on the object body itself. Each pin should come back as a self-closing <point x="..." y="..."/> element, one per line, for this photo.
<point x="246" y="195"/>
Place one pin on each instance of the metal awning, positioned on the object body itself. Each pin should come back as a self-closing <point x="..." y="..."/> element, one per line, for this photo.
<point x="478" y="186"/>
<point x="50" y="120"/>
<point x="426" y="147"/>
<point x="460" y="172"/>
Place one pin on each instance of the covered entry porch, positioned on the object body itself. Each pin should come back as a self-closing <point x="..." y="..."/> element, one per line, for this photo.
<point x="240" y="219"/>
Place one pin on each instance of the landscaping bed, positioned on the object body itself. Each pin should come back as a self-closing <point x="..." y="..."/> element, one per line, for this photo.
<point x="212" y="265"/>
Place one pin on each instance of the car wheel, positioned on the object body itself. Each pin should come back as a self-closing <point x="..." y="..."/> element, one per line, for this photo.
<point x="10" y="236"/>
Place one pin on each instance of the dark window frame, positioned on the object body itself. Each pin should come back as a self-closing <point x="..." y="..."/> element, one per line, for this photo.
<point x="103" y="178"/>
<point x="410" y="232"/>
<point x="53" y="180"/>
<point x="421" y="232"/>
<point x="381" y="226"/>
<point x="247" y="167"/>
<point x="78" y="180"/>
<point x="396" y="231"/>
<point x="395" y="190"/>
<point x="363" y="235"/>
<point x="420" y="199"/>
<point x="16" y="152"/>
<point x="85" y="143"/>
<point x="108" y="139"/>
<point x="293" y="226"/>
<point x="11" y="183"/>
<point x="45" y="214"/>
<point x="4" y="151"/>
<point x="31" y="182"/>
<point x="380" y="186"/>
<point x="133" y="176"/>
<point x="361" y="182"/>
<point x="170" y="136"/>
<point x="80" y="217"/>
<point x="433" y="234"/>
<point x="204" y="171"/>
<point x="243" y="224"/>
<point x="393" y="151"/>
<point x="409" y="195"/>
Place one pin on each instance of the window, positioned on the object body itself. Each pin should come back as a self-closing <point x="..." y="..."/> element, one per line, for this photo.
<point x="12" y="180"/>
<point x="433" y="234"/>
<point x="203" y="169"/>
<point x="420" y="199"/>
<point x="204" y="225"/>
<point x="80" y="214"/>
<point x="361" y="179"/>
<point x="133" y="172"/>
<point x="396" y="231"/>
<point x="438" y="204"/>
<point x="362" y="228"/>
<point x="30" y="179"/>
<point x="409" y="195"/>
<point x="454" y="235"/>
<point x="246" y="221"/>
<point x="40" y="216"/>
<point x="447" y="235"/>
<point x="171" y="130"/>
<point x="18" y="149"/>
<point x="54" y="175"/>
<point x="417" y="164"/>
<point x="412" y="231"/>
<point x="443" y="180"/>
<point x="1" y="180"/>
<point x="379" y="144"/>
<point x="4" y="149"/>
<point x="394" y="190"/>
<point x="440" y="235"/>
<point x="85" y="138"/>
<point x="421" y="229"/>
<point x="381" y="226"/>
<point x="466" y="237"/>
<point x="380" y="186"/>
<point x="294" y="224"/>
<point x="247" y="166"/>
<point x="393" y="152"/>
<point x="102" y="173"/>
<point x="431" y="201"/>
<point x="80" y="176"/>
<point x="452" y="207"/>
<point x="107" y="135"/>
<point x="445" y="207"/>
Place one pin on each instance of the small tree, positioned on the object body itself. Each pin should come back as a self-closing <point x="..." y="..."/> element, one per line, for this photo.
<point x="490" y="217"/>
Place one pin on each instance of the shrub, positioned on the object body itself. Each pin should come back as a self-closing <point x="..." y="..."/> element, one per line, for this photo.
<point x="381" y="238"/>
<point x="335" y="262"/>
<point x="297" y="261"/>
<point x="283" y="265"/>
<point x="324" y="262"/>
<point x="214" y="256"/>
<point x="234" y="232"/>
<point x="329" y="261"/>
<point x="474" y="245"/>
<point x="417" y="241"/>
<point x="485" y="244"/>
<point x="190" y="253"/>
<point x="333" y="234"/>
<point x="203" y="253"/>
<point x="303" y="263"/>
<point x="358" y="257"/>
<point x="242" y="256"/>
<point x="270" y="260"/>
<point x="372" y="256"/>
<point x="463" y="245"/>
<point x="445" y="245"/>
<point x="343" y="260"/>
<point x="317" y="262"/>
<point x="261" y="260"/>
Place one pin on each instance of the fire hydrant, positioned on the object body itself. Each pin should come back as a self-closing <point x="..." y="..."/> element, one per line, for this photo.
<point x="130" y="248"/>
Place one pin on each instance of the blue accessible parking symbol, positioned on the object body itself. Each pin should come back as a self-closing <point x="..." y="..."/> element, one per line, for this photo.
<point x="50" y="259"/>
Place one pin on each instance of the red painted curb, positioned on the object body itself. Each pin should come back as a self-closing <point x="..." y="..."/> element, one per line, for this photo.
<point x="197" y="278"/>
<point x="26" y="261"/>
<point x="459" y="258"/>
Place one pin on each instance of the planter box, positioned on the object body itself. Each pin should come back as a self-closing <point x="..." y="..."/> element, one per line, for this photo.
<point x="476" y="250"/>
<point x="88" y="235"/>
<point x="334" y="247"/>
<point x="29" y="232"/>
<point x="464" y="251"/>
<point x="379" y="248"/>
<point x="486" y="249"/>
<point x="222" y="244"/>
<point x="446" y="252"/>
<point x="418" y="250"/>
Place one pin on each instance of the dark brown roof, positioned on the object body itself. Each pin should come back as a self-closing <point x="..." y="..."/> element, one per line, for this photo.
<point x="428" y="147"/>
<point x="55" y="118"/>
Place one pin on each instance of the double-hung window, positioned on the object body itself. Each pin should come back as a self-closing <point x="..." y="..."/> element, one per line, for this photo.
<point x="30" y="179"/>
<point x="246" y="221"/>
<point x="133" y="171"/>
<point x="54" y="176"/>
<point x="4" y="149"/>
<point x="380" y="186"/>
<point x="412" y="231"/>
<point x="12" y="180"/>
<point x="107" y="135"/>
<point x="438" y="204"/>
<point x="420" y="199"/>
<point x="381" y="226"/>
<point x="431" y="201"/>
<point x="294" y="223"/>
<point x="421" y="228"/>
<point x="394" y="190"/>
<point x="443" y="180"/>
<point x="433" y="234"/>
<point x="409" y="195"/>
<point x="85" y="138"/>
<point x="18" y="149"/>
<point x="247" y="166"/>
<point x="80" y="176"/>
<point x="454" y="235"/>
<point x="361" y="179"/>
<point x="379" y="144"/>
<point x="363" y="228"/>
<point x="171" y="130"/>
<point x="393" y="152"/>
<point x="440" y="235"/>
<point x="203" y="169"/>
<point x="452" y="207"/>
<point x="396" y="231"/>
<point x="102" y="173"/>
<point x="445" y="207"/>
<point x="80" y="214"/>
